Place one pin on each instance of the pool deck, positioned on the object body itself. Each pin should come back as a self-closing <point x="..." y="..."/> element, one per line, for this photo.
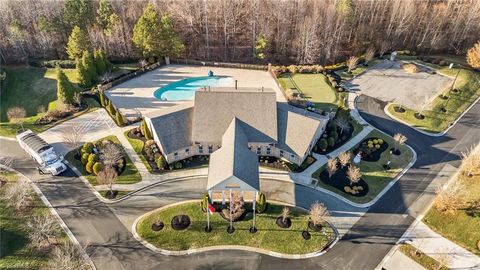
<point x="135" y="97"/>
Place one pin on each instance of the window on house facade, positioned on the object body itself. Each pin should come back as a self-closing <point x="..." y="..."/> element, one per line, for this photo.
<point x="259" y="150"/>
<point x="210" y="149"/>
<point x="292" y="156"/>
<point x="175" y="155"/>
<point x="281" y="153"/>
<point x="268" y="150"/>
<point x="200" y="149"/>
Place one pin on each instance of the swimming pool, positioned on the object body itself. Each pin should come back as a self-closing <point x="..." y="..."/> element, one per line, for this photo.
<point x="185" y="89"/>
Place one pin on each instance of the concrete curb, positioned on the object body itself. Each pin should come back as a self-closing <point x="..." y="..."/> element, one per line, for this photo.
<point x="230" y="247"/>
<point x="440" y="134"/>
<point x="8" y="138"/>
<point x="56" y="215"/>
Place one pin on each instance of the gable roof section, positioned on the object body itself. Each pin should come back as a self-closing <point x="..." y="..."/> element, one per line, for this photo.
<point x="214" y="110"/>
<point x="173" y="126"/>
<point x="233" y="165"/>
<point x="297" y="128"/>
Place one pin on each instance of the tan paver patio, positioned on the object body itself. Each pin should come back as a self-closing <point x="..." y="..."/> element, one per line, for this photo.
<point x="136" y="95"/>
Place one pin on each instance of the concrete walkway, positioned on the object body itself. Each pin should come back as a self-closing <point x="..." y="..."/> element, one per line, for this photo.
<point x="400" y="261"/>
<point x="438" y="247"/>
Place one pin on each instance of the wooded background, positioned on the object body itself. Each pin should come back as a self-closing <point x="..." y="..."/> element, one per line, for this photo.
<point x="298" y="31"/>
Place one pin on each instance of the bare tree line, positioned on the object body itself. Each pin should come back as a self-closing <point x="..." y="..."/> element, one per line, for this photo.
<point x="298" y="31"/>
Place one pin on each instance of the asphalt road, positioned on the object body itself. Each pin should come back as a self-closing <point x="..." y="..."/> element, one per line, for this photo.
<point x="113" y="246"/>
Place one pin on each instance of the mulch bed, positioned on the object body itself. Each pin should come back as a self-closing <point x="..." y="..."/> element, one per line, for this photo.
<point x="180" y="222"/>
<point x="315" y="228"/>
<point x="284" y="225"/>
<point x="396" y="151"/>
<point x="370" y="155"/>
<point x="339" y="181"/>
<point x="158" y="226"/>
<point x="111" y="195"/>
<point x="398" y="109"/>
<point x="342" y="138"/>
<point x="419" y="116"/>
<point x="306" y="235"/>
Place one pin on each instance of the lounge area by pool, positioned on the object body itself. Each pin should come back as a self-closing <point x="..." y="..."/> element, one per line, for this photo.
<point x="185" y="89"/>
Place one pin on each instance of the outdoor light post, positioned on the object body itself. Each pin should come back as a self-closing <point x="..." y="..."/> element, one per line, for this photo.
<point x="253" y="229"/>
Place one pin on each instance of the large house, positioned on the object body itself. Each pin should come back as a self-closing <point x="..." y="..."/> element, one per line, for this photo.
<point x="271" y="128"/>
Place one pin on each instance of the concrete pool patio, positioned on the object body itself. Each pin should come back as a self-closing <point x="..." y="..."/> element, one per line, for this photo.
<point x="388" y="82"/>
<point x="135" y="97"/>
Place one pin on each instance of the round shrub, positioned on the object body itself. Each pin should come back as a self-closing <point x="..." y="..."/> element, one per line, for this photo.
<point x="93" y="158"/>
<point x="89" y="166"/>
<point x="178" y="165"/>
<point x="331" y="141"/>
<point x="160" y="161"/>
<point x="323" y="144"/>
<point x="347" y="189"/>
<point x="380" y="141"/>
<point x="377" y="146"/>
<point x="84" y="158"/>
<point x="334" y="135"/>
<point x="87" y="148"/>
<point x="121" y="163"/>
<point x="149" y="143"/>
<point x="97" y="168"/>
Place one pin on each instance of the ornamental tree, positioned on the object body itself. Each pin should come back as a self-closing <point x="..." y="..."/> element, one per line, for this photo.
<point x="65" y="89"/>
<point x="473" y="56"/>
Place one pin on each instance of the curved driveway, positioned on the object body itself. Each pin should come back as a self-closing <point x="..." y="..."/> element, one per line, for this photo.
<point x="363" y="247"/>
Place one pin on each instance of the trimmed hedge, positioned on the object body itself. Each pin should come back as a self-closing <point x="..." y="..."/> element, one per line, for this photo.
<point x="42" y="63"/>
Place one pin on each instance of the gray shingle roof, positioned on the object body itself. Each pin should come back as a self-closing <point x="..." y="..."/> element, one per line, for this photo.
<point x="233" y="164"/>
<point x="296" y="128"/>
<point x="173" y="126"/>
<point x="215" y="109"/>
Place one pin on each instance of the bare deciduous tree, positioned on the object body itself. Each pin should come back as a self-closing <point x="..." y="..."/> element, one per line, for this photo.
<point x="72" y="136"/>
<point x="343" y="124"/>
<point x="285" y="213"/>
<point x="77" y="99"/>
<point x="369" y="54"/>
<point x="352" y="63"/>
<point x="354" y="174"/>
<point x="345" y="158"/>
<point x="67" y="257"/>
<point x="332" y="166"/>
<point x="111" y="154"/>
<point x="384" y="47"/>
<point x="399" y="139"/>
<point x="19" y="195"/>
<point x="42" y="229"/>
<point x="470" y="161"/>
<point x="108" y="176"/>
<point x="449" y="199"/>
<point x="16" y="115"/>
<point x="318" y="213"/>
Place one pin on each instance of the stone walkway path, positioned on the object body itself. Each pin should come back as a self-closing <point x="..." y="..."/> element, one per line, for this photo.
<point x="438" y="247"/>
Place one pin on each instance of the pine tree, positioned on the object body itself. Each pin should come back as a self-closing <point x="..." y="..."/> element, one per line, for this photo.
<point x="84" y="78"/>
<point x="119" y="118"/>
<point x="106" y="18"/>
<point x="146" y="32"/>
<point x="146" y="131"/>
<point x="65" y="89"/>
<point x="89" y="64"/>
<point x="78" y="13"/>
<point x="170" y="42"/>
<point x="111" y="108"/>
<point x="102" y="98"/>
<point x="77" y="43"/>
<point x="100" y="64"/>
<point x="107" y="63"/>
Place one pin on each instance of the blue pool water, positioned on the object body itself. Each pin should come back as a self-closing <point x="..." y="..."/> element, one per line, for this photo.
<point x="185" y="89"/>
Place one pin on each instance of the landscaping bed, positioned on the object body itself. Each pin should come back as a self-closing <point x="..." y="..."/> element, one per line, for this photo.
<point x="447" y="106"/>
<point x="335" y="134"/>
<point x="127" y="172"/>
<point x="269" y="234"/>
<point x="276" y="163"/>
<point x="420" y="257"/>
<point x="340" y="181"/>
<point x="151" y="157"/>
<point x="374" y="173"/>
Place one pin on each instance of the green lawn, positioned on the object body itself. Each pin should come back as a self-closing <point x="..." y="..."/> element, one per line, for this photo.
<point x="373" y="173"/>
<point x="315" y="88"/>
<point x="137" y="146"/>
<point x="420" y="257"/>
<point x="129" y="176"/>
<point x="468" y="82"/>
<point x="269" y="236"/>
<point x="15" y="249"/>
<point x="459" y="227"/>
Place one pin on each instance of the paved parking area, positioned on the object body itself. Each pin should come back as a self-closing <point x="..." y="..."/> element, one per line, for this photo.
<point x="135" y="96"/>
<point x="387" y="81"/>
